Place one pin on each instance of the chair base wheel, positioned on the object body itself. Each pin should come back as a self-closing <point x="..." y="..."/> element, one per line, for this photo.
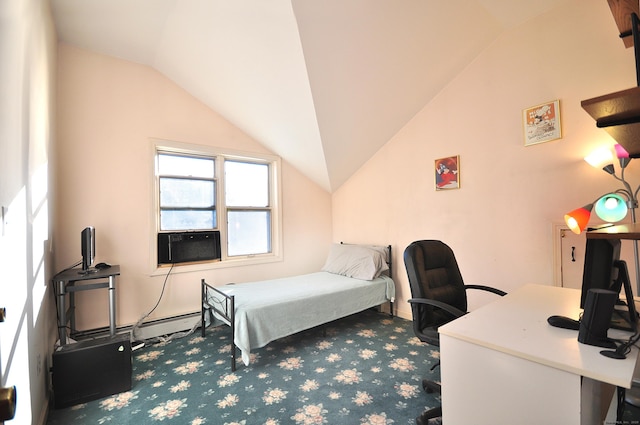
<point x="423" y="419"/>
<point x="430" y="386"/>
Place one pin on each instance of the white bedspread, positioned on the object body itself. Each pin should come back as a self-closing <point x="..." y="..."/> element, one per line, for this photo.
<point x="272" y="309"/>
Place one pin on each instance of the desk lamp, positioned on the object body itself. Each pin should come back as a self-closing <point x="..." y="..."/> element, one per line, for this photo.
<point x="611" y="207"/>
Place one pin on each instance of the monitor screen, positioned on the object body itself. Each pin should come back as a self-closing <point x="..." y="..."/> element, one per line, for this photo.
<point x="88" y="246"/>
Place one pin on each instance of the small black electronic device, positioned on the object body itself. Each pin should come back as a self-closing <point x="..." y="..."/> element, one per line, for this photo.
<point x="101" y="266"/>
<point x="564" y="322"/>
<point x="596" y="319"/>
<point x="91" y="369"/>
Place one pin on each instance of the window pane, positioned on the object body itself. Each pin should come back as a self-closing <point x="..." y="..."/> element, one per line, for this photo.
<point x="187" y="220"/>
<point x="246" y="184"/>
<point x="249" y="232"/>
<point x="187" y="193"/>
<point x="185" y="166"/>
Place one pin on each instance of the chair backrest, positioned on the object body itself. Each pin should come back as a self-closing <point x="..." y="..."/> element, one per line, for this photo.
<point x="433" y="274"/>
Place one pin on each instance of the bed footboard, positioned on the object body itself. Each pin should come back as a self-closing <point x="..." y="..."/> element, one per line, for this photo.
<point x="223" y="308"/>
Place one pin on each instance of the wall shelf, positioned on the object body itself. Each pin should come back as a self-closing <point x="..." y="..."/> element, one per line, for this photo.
<point x="621" y="231"/>
<point x="619" y="115"/>
<point x="621" y="10"/>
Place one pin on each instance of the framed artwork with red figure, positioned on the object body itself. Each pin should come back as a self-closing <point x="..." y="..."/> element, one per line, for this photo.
<point x="447" y="172"/>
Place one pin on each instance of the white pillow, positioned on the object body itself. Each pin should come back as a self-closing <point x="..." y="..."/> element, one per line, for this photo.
<point x="356" y="261"/>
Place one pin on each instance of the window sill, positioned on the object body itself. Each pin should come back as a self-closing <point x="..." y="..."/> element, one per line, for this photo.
<point x="214" y="265"/>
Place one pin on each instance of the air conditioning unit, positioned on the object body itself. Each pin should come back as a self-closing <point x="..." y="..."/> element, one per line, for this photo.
<point x="183" y="247"/>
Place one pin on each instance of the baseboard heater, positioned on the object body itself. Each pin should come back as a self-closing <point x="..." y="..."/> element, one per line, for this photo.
<point x="148" y="330"/>
<point x="184" y="247"/>
<point x="168" y="326"/>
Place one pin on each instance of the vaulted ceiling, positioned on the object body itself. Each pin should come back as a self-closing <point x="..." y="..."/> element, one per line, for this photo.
<point x="322" y="83"/>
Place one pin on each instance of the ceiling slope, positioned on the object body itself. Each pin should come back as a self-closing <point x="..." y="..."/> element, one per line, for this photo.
<point x="324" y="84"/>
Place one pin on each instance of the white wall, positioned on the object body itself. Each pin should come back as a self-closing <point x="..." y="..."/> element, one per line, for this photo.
<point x="27" y="63"/>
<point x="499" y="223"/>
<point x="108" y="111"/>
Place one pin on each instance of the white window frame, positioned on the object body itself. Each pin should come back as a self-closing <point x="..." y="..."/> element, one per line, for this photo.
<point x="220" y="155"/>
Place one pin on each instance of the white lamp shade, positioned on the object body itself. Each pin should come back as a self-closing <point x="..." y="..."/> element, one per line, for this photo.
<point x="600" y="157"/>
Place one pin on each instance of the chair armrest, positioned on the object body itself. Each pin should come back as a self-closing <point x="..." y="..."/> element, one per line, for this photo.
<point x="443" y="306"/>
<point x="486" y="288"/>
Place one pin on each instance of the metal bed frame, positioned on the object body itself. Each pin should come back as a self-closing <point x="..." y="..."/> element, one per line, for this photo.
<point x="224" y="308"/>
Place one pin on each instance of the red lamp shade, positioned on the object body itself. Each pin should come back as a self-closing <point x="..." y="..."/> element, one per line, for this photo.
<point x="578" y="219"/>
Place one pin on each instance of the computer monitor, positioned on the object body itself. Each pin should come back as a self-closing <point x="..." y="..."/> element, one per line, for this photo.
<point x="603" y="269"/>
<point x="599" y="271"/>
<point x="88" y="248"/>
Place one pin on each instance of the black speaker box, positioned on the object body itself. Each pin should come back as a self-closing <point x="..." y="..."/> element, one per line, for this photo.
<point x="92" y="369"/>
<point x="596" y="319"/>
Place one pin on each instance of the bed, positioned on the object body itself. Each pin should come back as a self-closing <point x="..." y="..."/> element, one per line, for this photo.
<point x="354" y="278"/>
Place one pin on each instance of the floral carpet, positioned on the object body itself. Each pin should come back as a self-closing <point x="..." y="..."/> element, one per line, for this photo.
<point x="363" y="369"/>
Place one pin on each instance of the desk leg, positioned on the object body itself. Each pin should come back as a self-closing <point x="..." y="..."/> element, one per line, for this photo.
<point x="598" y="400"/>
<point x="112" y="305"/>
<point x="62" y="314"/>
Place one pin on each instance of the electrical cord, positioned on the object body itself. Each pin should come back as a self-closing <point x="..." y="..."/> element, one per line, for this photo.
<point x="623" y="349"/>
<point x="55" y="300"/>
<point x="73" y="266"/>
<point x="622" y="393"/>
<point x="621" y="353"/>
<point x="136" y="327"/>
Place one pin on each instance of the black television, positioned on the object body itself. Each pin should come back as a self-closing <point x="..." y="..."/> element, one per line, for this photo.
<point x="88" y="248"/>
<point x="603" y="269"/>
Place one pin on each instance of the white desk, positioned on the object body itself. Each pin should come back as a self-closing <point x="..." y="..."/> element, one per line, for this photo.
<point x="504" y="364"/>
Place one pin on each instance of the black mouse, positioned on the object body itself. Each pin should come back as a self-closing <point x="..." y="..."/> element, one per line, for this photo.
<point x="564" y="322"/>
<point x="101" y="266"/>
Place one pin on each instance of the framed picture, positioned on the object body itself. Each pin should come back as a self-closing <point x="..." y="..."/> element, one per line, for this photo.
<point x="447" y="171"/>
<point x="542" y="123"/>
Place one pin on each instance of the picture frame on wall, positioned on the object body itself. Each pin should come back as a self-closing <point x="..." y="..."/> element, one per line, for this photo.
<point x="542" y="123"/>
<point x="447" y="173"/>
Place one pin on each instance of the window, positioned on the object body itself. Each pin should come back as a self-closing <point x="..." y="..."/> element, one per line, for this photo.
<point x="203" y="189"/>
<point x="248" y="212"/>
<point x="187" y="192"/>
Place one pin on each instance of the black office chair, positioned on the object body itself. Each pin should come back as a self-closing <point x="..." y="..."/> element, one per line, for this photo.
<point x="438" y="297"/>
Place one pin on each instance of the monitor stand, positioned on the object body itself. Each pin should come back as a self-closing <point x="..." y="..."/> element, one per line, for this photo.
<point x="625" y="318"/>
